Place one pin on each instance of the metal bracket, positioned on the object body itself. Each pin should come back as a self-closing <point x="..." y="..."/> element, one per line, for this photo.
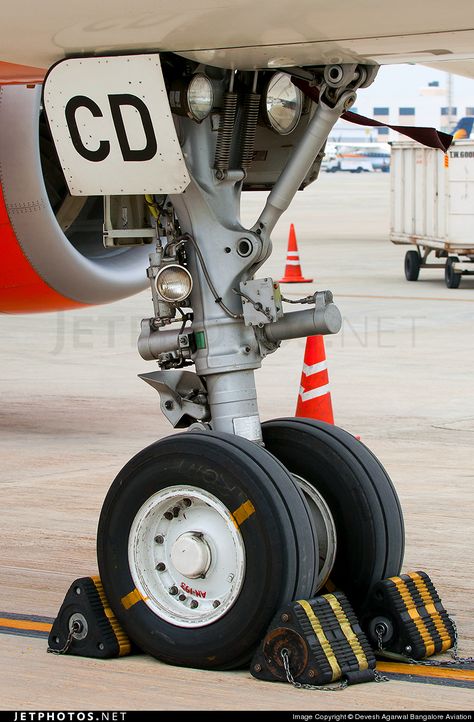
<point x="183" y="396"/>
<point x="261" y="301"/>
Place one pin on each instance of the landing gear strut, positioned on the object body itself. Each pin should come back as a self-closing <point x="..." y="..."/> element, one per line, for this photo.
<point x="203" y="535"/>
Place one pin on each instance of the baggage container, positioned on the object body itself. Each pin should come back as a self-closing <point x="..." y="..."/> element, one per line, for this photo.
<point x="432" y="208"/>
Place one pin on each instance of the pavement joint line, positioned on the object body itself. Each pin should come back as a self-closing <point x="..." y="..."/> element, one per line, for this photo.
<point x="33" y="625"/>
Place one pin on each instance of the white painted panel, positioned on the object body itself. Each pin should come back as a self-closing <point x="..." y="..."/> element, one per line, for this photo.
<point x="112" y="126"/>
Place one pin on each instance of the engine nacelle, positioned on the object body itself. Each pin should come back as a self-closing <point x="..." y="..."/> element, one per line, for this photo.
<point x="51" y="251"/>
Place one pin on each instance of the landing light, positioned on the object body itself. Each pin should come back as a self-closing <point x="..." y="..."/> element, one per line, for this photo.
<point x="283" y="104"/>
<point x="173" y="283"/>
<point x="200" y="97"/>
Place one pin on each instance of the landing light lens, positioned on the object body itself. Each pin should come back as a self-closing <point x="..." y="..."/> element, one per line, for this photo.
<point x="283" y="103"/>
<point x="174" y="283"/>
<point x="200" y="97"/>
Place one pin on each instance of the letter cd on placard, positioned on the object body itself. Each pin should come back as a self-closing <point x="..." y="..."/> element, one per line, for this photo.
<point x="112" y="126"/>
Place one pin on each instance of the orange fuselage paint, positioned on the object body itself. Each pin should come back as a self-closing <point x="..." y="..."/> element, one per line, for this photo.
<point x="22" y="290"/>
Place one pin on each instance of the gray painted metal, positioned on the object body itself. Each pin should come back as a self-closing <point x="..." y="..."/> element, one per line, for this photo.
<point x="310" y="322"/>
<point x="115" y="274"/>
<point x="182" y="395"/>
<point x="208" y="211"/>
<point x="301" y="160"/>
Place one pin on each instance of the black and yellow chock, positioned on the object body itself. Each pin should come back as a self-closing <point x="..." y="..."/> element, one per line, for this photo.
<point x="405" y="618"/>
<point x="86" y="626"/>
<point x="315" y="642"/>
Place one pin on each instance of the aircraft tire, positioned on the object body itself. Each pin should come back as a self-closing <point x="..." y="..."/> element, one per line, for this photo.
<point x="358" y="492"/>
<point x="210" y="521"/>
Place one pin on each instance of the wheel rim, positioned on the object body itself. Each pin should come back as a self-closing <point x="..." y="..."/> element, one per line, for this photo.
<point x="186" y="556"/>
<point x="325" y="528"/>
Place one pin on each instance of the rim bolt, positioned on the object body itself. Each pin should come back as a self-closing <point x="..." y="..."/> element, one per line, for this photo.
<point x="160" y="567"/>
<point x="173" y="591"/>
<point x="187" y="502"/>
<point x="182" y="597"/>
<point x="176" y="511"/>
<point x="168" y="515"/>
<point x="216" y="603"/>
<point x="194" y="604"/>
<point x="159" y="539"/>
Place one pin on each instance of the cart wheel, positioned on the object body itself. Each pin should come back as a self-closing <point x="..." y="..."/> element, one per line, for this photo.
<point x="451" y="278"/>
<point x="412" y="265"/>
<point x="359" y="494"/>
<point x="202" y="537"/>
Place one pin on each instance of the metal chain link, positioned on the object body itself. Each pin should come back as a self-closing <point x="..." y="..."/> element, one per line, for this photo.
<point x="455" y="658"/>
<point x="75" y="628"/>
<point x="299" y="685"/>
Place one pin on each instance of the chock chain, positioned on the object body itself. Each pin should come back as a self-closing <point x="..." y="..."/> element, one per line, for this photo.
<point x="75" y="628"/>
<point x="299" y="685"/>
<point x="455" y="658"/>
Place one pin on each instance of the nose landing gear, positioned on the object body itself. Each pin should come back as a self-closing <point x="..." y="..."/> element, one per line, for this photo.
<point x="205" y="534"/>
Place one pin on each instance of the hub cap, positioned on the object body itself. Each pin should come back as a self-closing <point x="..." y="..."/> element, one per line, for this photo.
<point x="186" y="556"/>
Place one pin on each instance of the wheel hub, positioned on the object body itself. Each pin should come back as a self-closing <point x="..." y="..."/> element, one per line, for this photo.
<point x="190" y="555"/>
<point x="186" y="556"/>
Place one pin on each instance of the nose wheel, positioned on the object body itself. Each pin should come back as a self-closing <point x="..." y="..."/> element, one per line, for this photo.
<point x="201" y="538"/>
<point x="359" y="495"/>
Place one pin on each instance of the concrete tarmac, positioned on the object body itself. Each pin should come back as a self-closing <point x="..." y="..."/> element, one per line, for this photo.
<point x="73" y="412"/>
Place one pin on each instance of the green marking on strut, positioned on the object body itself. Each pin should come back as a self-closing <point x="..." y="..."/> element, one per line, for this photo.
<point x="200" y="337"/>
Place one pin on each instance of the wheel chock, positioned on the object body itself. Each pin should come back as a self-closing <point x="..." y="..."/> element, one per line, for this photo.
<point x="405" y="618"/>
<point x="315" y="642"/>
<point x="86" y="626"/>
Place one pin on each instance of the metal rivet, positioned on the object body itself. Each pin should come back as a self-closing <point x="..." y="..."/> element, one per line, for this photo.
<point x="408" y="649"/>
<point x="173" y="590"/>
<point x="159" y="539"/>
<point x="285" y="617"/>
<point x="169" y="405"/>
<point x="194" y="604"/>
<point x="311" y="673"/>
<point x="258" y="668"/>
<point x="77" y="590"/>
<point x="160" y="567"/>
<point x="101" y="646"/>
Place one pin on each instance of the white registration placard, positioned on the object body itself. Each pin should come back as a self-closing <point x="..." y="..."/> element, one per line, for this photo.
<point x="112" y="126"/>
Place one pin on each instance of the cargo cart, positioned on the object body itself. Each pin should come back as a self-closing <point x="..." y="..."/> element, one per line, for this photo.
<point x="432" y="208"/>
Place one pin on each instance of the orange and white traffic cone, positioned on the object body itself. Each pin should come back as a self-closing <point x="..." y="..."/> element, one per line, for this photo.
<point x="293" y="267"/>
<point x="314" y="399"/>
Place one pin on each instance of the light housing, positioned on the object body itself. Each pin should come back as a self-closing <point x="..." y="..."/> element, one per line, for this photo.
<point x="200" y="96"/>
<point x="192" y="97"/>
<point x="283" y="104"/>
<point x="173" y="283"/>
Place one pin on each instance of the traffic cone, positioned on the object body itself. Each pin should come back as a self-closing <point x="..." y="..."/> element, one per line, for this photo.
<point x="314" y="398"/>
<point x="293" y="268"/>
